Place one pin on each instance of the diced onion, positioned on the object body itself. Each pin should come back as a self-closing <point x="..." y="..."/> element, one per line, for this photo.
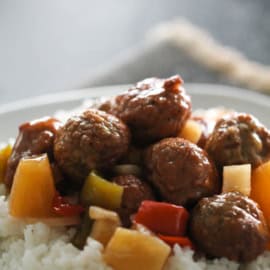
<point x="97" y="213"/>
<point x="125" y="169"/>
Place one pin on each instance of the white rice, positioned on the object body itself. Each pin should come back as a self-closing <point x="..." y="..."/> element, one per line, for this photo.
<point x="41" y="247"/>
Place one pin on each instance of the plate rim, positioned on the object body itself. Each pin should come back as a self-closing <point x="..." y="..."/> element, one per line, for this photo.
<point x="83" y="93"/>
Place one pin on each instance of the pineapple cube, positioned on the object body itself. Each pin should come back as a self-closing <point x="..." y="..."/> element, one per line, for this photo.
<point x="237" y="178"/>
<point x="192" y="131"/>
<point x="104" y="225"/>
<point x="33" y="189"/>
<point x="133" y="250"/>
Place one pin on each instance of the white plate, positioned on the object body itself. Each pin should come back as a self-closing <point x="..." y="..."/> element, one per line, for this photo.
<point x="203" y="96"/>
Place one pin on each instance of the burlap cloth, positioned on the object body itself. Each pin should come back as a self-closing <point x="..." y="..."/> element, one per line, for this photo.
<point x="179" y="47"/>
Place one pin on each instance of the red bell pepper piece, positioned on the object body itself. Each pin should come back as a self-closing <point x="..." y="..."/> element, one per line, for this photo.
<point x="64" y="208"/>
<point x="180" y="240"/>
<point x="163" y="218"/>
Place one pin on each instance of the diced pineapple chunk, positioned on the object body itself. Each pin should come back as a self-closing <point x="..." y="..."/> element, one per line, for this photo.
<point x="134" y="250"/>
<point x="103" y="230"/>
<point x="237" y="178"/>
<point x="192" y="131"/>
<point x="4" y="156"/>
<point x="104" y="225"/>
<point x="33" y="189"/>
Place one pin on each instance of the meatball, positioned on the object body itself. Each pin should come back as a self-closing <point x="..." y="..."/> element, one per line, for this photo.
<point x="34" y="138"/>
<point x="229" y="225"/>
<point x="239" y="139"/>
<point x="153" y="109"/>
<point x="91" y="140"/>
<point x="135" y="191"/>
<point x="181" y="171"/>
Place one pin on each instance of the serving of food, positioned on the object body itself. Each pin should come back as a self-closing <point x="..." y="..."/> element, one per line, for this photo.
<point x="137" y="181"/>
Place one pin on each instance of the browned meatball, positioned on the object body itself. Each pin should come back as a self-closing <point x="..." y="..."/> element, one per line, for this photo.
<point x="239" y="139"/>
<point x="91" y="140"/>
<point x="153" y="109"/>
<point x="229" y="225"/>
<point x="135" y="191"/>
<point x="181" y="171"/>
<point x="34" y="138"/>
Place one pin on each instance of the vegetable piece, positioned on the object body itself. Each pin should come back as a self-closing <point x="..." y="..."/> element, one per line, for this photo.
<point x="105" y="224"/>
<point x="4" y="156"/>
<point x="172" y="240"/>
<point x="63" y="208"/>
<point x="79" y="239"/>
<point x="99" y="213"/>
<point x="192" y="131"/>
<point x="126" y="169"/>
<point x="33" y="189"/>
<point x="164" y="218"/>
<point x="139" y="251"/>
<point x="97" y="191"/>
<point x="237" y="178"/>
<point x="260" y="188"/>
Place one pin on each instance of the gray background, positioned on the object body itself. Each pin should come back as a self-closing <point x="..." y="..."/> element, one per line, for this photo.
<point x="54" y="45"/>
